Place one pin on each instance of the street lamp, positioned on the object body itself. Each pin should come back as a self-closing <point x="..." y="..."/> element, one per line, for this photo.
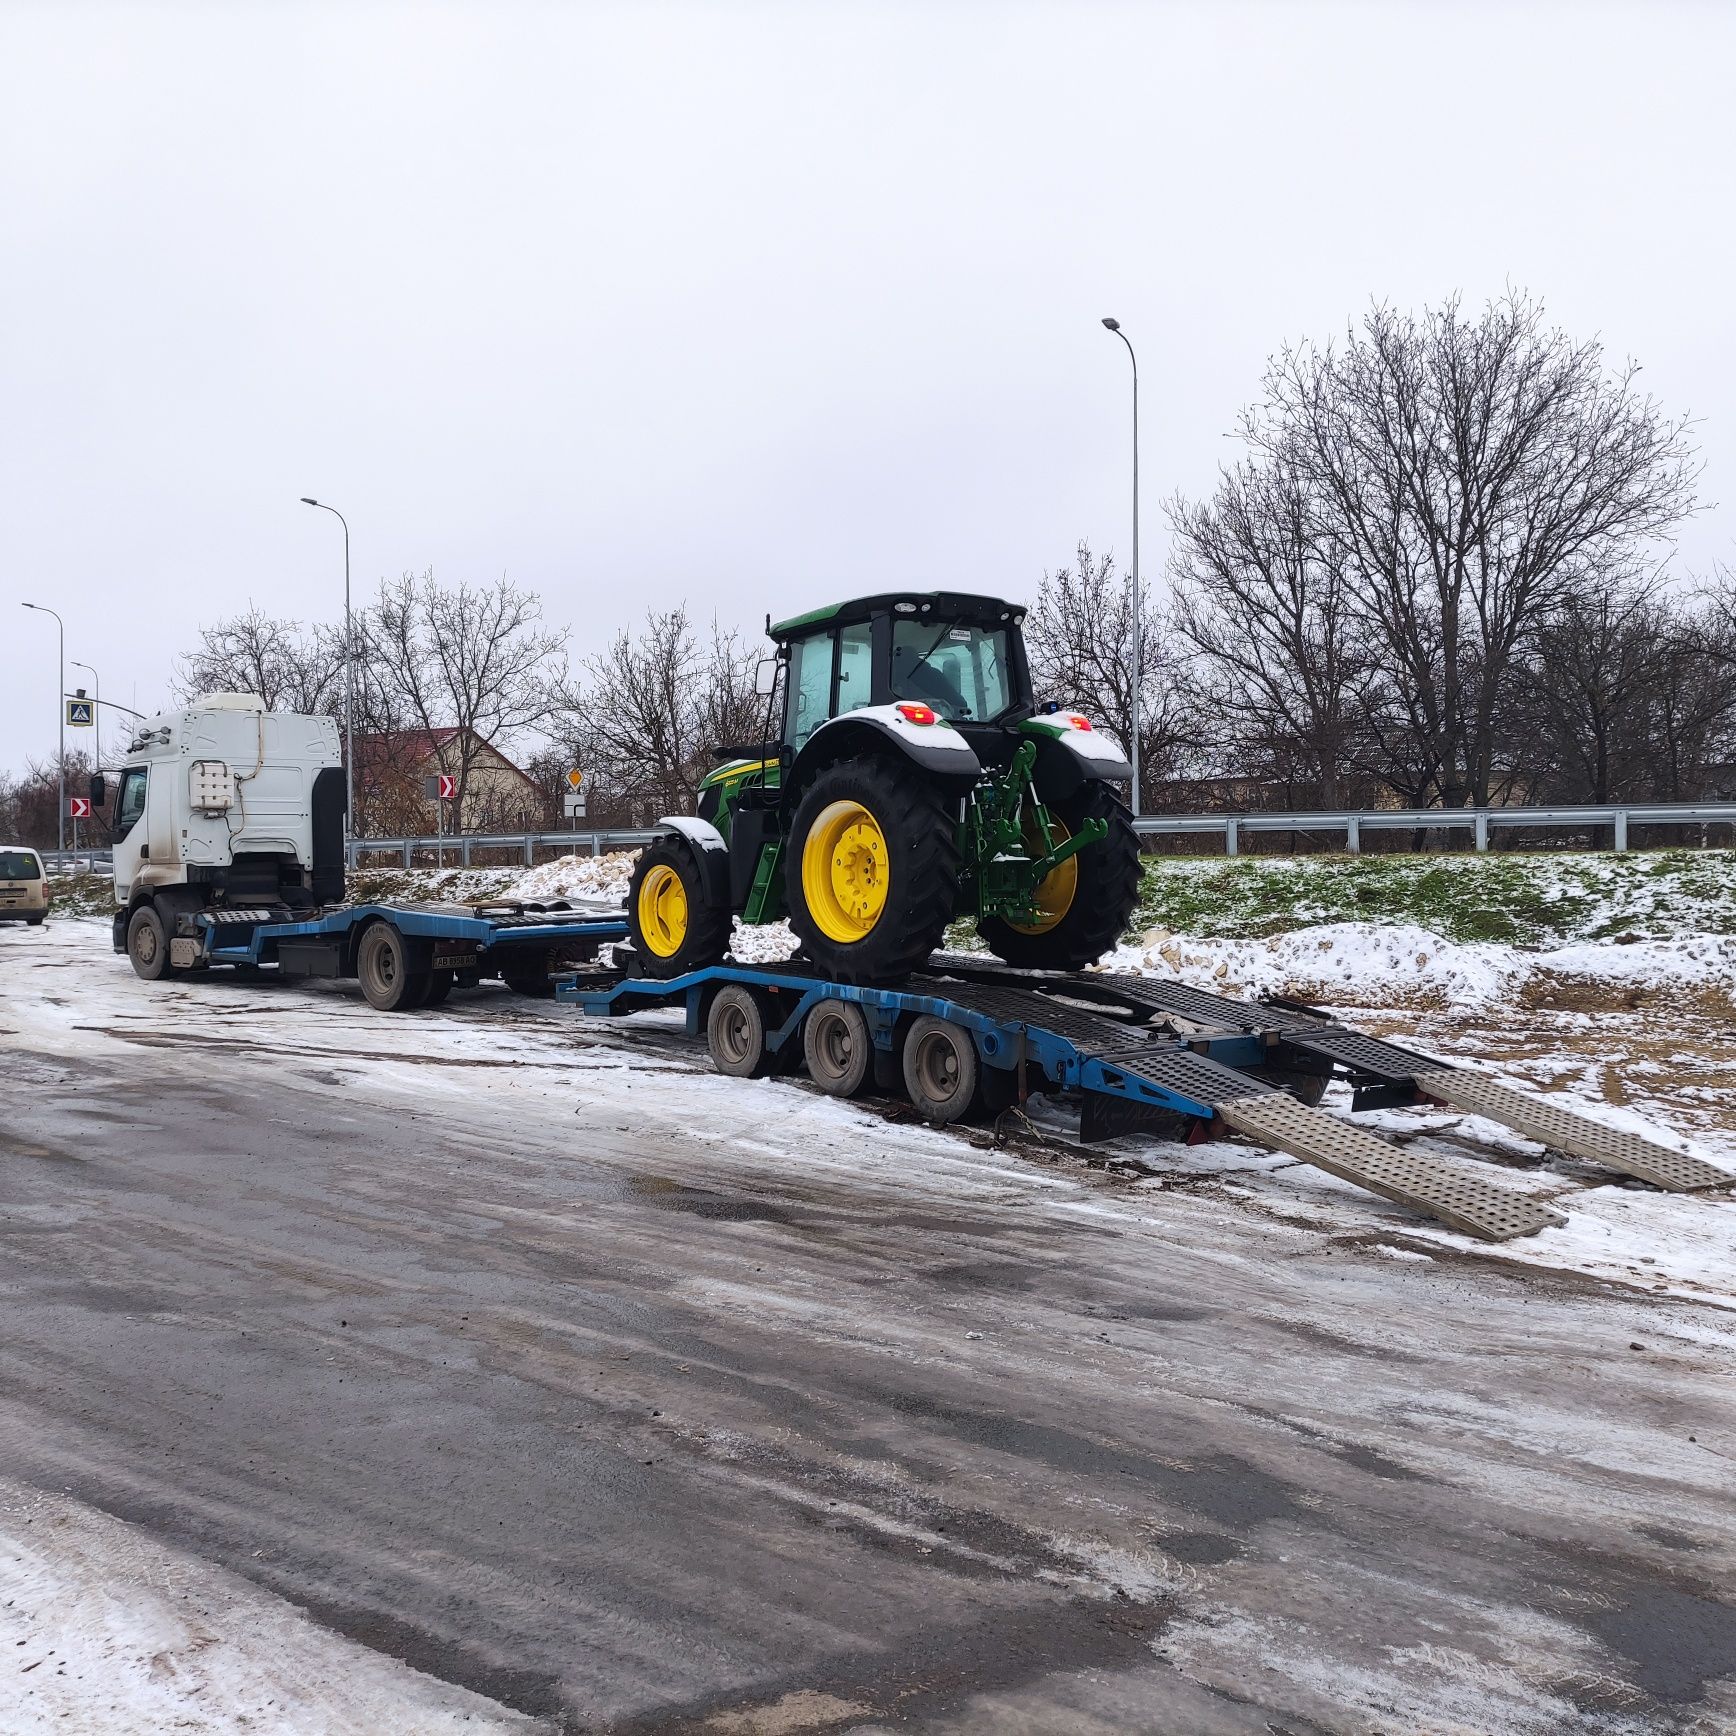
<point x="43" y="609"/>
<point x="96" y="681"/>
<point x="349" y="686"/>
<point x="1115" y="326"/>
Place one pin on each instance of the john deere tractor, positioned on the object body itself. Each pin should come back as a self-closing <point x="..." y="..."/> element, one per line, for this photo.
<point x="909" y="778"/>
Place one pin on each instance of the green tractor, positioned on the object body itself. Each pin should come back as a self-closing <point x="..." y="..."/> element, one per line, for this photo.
<point x="914" y="781"/>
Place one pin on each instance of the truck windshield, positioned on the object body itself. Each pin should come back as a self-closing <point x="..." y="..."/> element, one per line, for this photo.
<point x="19" y="865"/>
<point x="959" y="669"/>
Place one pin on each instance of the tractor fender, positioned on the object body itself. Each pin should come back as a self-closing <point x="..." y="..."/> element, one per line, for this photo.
<point x="936" y="747"/>
<point x="1069" y="757"/>
<point x="710" y="852"/>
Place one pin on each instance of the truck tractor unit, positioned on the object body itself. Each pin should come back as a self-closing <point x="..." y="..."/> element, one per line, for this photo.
<point x="910" y="779"/>
<point x="229" y="850"/>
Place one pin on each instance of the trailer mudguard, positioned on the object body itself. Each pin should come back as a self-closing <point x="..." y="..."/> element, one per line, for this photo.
<point x="1071" y="753"/>
<point x="936" y="747"/>
<point x="710" y="852"/>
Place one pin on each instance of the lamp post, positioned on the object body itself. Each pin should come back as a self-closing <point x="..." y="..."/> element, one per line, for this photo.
<point x="96" y="682"/>
<point x="1115" y="326"/>
<point x="43" y="609"/>
<point x="349" y="682"/>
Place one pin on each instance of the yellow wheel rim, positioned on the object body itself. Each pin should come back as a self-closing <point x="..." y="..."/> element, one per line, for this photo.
<point x="1056" y="889"/>
<point x="662" y="911"/>
<point x="845" y="869"/>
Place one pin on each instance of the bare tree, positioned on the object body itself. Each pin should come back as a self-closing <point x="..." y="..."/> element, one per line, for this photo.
<point x="290" y="668"/>
<point x="1466" y="477"/>
<point x="1079" y="639"/>
<point x="1263" y="597"/>
<point x="473" y="659"/>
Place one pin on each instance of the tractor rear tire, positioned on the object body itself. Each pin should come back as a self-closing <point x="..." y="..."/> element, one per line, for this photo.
<point x="1105" y="891"/>
<point x="872" y="870"/>
<point x="672" y="926"/>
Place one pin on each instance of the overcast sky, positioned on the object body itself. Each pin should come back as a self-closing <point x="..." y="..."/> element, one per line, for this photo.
<point x="761" y="306"/>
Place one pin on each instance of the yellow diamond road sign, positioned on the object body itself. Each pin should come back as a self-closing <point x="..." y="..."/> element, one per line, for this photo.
<point x="575" y="777"/>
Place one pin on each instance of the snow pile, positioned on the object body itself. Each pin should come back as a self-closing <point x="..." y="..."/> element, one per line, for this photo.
<point x="1373" y="964"/>
<point x="577" y="877"/>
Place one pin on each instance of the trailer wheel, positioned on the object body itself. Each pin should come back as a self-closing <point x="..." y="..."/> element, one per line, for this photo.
<point x="387" y="967"/>
<point x="837" y="1047"/>
<point x="940" y="1069"/>
<point x="148" y="944"/>
<point x="735" y="1032"/>
<point x="439" y="987"/>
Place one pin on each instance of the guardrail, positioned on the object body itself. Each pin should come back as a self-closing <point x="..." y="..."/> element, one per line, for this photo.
<point x="1350" y="823"/>
<point x="1617" y="819"/>
<point x="1478" y="821"/>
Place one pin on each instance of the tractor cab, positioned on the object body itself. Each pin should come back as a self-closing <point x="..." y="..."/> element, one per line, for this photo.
<point x="961" y="657"/>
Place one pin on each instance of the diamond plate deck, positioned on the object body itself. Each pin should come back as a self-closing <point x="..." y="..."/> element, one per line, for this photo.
<point x="1448" y="1191"/>
<point x="1175" y="1067"/>
<point x="1368" y="1056"/>
<point x="1556" y="1125"/>
<point x="1089" y="1033"/>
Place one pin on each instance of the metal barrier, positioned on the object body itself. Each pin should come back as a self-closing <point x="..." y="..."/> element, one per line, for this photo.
<point x="444" y="850"/>
<point x="78" y="861"/>
<point x="1478" y="821"/>
<point x="1351" y="823"/>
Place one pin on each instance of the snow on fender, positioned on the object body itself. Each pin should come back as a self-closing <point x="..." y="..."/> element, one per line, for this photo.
<point x="700" y="833"/>
<point x="1095" y="751"/>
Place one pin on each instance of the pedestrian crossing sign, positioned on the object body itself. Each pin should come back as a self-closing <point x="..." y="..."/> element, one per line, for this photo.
<point x="80" y="713"/>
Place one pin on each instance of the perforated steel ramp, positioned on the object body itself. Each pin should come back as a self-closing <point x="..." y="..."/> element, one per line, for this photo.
<point x="1456" y="1195"/>
<point x="1555" y="1125"/>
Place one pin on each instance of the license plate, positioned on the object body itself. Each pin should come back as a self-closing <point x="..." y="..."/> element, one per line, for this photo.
<point x="448" y="959"/>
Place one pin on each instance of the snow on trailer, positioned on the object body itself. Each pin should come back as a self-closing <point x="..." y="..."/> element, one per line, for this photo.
<point x="1145" y="1055"/>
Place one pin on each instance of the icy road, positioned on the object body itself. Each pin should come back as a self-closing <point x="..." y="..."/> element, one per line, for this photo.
<point x="491" y="1369"/>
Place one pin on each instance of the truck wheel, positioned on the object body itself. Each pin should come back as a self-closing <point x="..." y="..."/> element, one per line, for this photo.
<point x="673" y="927"/>
<point x="735" y="1032"/>
<point x="439" y="987"/>
<point x="940" y="1069"/>
<point x="1084" y="904"/>
<point x="837" y="1047"/>
<point x="148" y="944"/>
<point x="387" y="967"/>
<point x="873" y="870"/>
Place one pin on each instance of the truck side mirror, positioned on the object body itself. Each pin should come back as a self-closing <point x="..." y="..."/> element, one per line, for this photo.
<point x="765" y="676"/>
<point x="98" y="790"/>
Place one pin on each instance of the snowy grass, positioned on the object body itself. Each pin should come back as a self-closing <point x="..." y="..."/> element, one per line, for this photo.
<point x="1534" y="900"/>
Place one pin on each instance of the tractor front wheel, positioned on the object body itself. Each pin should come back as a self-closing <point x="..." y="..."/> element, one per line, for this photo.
<point x="873" y="867"/>
<point x="1083" y="906"/>
<point x="673" y="928"/>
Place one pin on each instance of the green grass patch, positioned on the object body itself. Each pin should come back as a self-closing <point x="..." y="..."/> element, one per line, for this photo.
<point x="1528" y="900"/>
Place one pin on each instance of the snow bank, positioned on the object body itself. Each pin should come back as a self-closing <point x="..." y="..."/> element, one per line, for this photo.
<point x="1374" y="964"/>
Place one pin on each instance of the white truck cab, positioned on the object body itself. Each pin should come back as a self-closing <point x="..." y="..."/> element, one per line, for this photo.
<point x="224" y="805"/>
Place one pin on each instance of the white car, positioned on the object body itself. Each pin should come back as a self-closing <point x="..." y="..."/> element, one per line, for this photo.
<point x="23" y="884"/>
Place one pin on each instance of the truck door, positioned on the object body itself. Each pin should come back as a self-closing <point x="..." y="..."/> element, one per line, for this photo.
<point x="129" y="834"/>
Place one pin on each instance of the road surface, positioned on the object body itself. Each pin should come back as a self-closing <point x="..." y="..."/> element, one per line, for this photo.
<point x="600" y="1390"/>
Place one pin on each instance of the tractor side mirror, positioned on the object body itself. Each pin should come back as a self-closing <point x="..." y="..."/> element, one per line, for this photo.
<point x="765" y="677"/>
<point x="98" y="790"/>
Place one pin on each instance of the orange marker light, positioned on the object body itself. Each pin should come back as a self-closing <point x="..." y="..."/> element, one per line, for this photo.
<point x="916" y="713"/>
<point x="1077" y="721"/>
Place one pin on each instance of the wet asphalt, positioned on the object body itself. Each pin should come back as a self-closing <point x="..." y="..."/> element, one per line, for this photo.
<point x="632" y="1437"/>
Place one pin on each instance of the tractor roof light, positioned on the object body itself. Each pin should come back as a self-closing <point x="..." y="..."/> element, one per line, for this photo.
<point x="1078" y="721"/>
<point x="915" y="713"/>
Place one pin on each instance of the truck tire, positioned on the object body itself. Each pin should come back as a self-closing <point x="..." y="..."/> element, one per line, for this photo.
<point x="387" y="965"/>
<point x="1087" y="901"/>
<point x="941" y="1069"/>
<point x="439" y="987"/>
<point x="148" y="944"/>
<point x="872" y="870"/>
<point x="837" y="1047"/>
<point x="735" y="1032"/>
<point x="673" y="926"/>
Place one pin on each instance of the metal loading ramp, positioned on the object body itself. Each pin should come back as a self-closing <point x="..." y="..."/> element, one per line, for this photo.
<point x="1458" y="1196"/>
<point x="1578" y="1135"/>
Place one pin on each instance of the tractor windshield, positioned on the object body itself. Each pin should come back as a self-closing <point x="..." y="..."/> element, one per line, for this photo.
<point x="959" y="669"/>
